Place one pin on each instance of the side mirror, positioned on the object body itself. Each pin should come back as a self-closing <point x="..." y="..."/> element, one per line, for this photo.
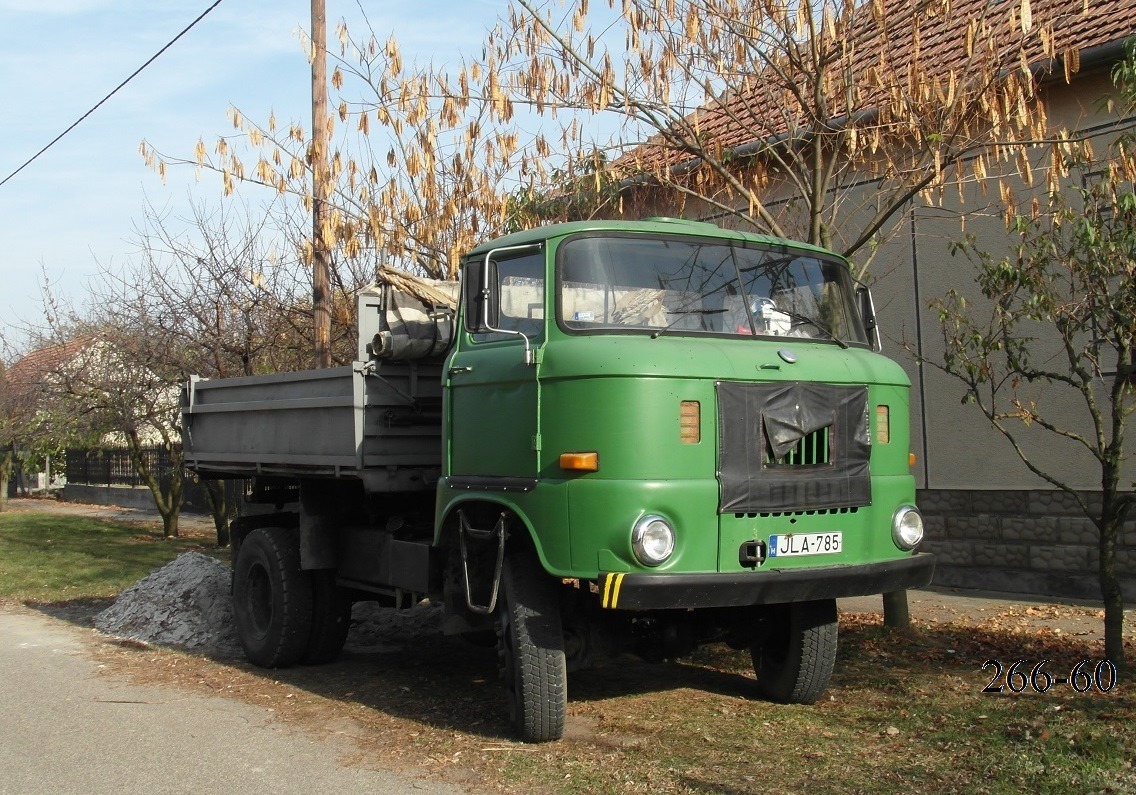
<point x="482" y="308"/>
<point x="868" y="317"/>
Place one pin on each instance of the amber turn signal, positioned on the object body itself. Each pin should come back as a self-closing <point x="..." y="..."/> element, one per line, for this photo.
<point x="883" y="425"/>
<point x="911" y="459"/>
<point x="580" y="462"/>
<point x="690" y="422"/>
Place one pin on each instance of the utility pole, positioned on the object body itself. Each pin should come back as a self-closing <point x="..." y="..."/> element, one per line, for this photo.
<point x="321" y="188"/>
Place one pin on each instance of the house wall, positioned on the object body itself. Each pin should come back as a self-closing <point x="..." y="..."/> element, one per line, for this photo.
<point x="915" y="267"/>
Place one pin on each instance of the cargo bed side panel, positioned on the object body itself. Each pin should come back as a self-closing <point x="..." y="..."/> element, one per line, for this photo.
<point x="328" y="423"/>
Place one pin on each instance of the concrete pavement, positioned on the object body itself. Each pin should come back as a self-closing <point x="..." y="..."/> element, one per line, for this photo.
<point x="968" y="607"/>
<point x="66" y="730"/>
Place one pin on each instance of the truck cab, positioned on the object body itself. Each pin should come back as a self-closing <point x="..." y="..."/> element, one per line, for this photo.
<point x="688" y="432"/>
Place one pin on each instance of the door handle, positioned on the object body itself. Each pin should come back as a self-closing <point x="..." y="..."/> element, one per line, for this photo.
<point x="459" y="370"/>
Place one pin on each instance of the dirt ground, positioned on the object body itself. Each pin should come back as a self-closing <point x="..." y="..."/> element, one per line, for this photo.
<point x="411" y="700"/>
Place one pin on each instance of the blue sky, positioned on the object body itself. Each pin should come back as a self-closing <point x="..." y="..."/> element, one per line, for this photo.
<point x="76" y="207"/>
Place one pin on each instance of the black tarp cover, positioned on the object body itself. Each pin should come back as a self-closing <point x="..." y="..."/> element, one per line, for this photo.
<point x="750" y="416"/>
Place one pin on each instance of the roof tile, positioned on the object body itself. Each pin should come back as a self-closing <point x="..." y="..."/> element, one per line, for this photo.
<point x="758" y="112"/>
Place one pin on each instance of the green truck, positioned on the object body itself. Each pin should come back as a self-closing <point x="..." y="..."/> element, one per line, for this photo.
<point x="619" y="437"/>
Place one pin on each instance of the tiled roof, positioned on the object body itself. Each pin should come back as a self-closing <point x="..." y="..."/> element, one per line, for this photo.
<point x="26" y="375"/>
<point x="759" y="112"/>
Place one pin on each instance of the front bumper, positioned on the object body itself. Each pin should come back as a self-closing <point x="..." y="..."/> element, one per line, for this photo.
<point x="635" y="591"/>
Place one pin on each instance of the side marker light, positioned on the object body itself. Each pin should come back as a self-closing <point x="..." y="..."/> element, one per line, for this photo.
<point x="580" y="462"/>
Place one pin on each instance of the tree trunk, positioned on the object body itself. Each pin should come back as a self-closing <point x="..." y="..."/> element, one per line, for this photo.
<point x="168" y="500"/>
<point x="1111" y="594"/>
<point x="222" y="497"/>
<point x="167" y="495"/>
<point x="896" y="612"/>
<point x="5" y="476"/>
<point x="170" y="524"/>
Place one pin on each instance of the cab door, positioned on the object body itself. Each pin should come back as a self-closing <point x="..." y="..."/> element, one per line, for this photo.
<point x="490" y="382"/>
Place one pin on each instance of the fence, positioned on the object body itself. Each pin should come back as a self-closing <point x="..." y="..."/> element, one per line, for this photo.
<point x="113" y="467"/>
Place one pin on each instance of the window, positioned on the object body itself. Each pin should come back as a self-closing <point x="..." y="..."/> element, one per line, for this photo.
<point x="690" y="286"/>
<point x="519" y="296"/>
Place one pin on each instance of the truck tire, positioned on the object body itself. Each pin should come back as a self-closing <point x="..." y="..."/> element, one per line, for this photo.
<point x="530" y="649"/>
<point x="272" y="598"/>
<point x="794" y="661"/>
<point x="331" y="618"/>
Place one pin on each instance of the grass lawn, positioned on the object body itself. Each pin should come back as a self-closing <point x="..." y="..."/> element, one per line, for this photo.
<point x="48" y="557"/>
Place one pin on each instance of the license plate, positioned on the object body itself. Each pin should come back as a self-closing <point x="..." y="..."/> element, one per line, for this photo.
<point x="794" y="544"/>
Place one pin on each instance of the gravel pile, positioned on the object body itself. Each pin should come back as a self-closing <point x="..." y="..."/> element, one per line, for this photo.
<point x="185" y="603"/>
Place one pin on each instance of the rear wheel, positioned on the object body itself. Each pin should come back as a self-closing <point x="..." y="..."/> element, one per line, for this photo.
<point x="272" y="598"/>
<point x="331" y="618"/>
<point x="530" y="646"/>
<point x="794" y="661"/>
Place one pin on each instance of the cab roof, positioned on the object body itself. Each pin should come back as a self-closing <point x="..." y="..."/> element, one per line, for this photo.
<point x="657" y="225"/>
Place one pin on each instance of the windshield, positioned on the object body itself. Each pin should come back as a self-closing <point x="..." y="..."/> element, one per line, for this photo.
<point x="677" y="286"/>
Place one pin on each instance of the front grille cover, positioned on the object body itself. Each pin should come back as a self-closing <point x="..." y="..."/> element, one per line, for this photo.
<point x="792" y="447"/>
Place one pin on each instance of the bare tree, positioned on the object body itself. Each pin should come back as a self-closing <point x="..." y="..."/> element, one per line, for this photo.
<point x="1070" y="280"/>
<point x="223" y="287"/>
<point x="114" y="381"/>
<point x="221" y="294"/>
<point x="770" y="115"/>
<point x="211" y="302"/>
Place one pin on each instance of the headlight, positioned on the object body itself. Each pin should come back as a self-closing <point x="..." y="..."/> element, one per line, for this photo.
<point x="907" y="527"/>
<point x="652" y="539"/>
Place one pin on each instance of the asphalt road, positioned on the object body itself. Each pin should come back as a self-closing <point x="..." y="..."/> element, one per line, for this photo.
<point x="65" y="729"/>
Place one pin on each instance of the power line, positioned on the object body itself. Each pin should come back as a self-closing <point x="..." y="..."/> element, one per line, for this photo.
<point x="117" y="88"/>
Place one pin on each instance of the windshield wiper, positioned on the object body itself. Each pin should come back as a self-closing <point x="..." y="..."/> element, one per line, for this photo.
<point x="671" y="325"/>
<point x="801" y="319"/>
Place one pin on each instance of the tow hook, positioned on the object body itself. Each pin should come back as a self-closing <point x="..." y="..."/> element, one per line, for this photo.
<point x="751" y="554"/>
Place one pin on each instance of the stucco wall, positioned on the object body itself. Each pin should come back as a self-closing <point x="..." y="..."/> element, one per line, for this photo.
<point x="956" y="447"/>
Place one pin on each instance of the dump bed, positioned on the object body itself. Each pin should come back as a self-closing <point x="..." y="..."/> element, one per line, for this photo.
<point x="378" y="422"/>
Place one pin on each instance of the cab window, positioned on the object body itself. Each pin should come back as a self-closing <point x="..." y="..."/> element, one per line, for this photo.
<point x="517" y="296"/>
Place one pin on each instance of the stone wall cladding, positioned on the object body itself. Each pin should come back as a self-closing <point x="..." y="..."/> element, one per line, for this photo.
<point x="969" y="501"/>
<point x="973" y="528"/>
<point x="1078" y="530"/>
<point x="124" y="496"/>
<point x="1032" y="529"/>
<point x="1058" y="503"/>
<point x="948" y="554"/>
<point x="1126" y="562"/>
<point x="1060" y="558"/>
<point x="1036" y="542"/>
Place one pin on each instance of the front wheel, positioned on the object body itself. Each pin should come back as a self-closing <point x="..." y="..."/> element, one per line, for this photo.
<point x="530" y="648"/>
<point x="794" y="661"/>
<point x="272" y="598"/>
